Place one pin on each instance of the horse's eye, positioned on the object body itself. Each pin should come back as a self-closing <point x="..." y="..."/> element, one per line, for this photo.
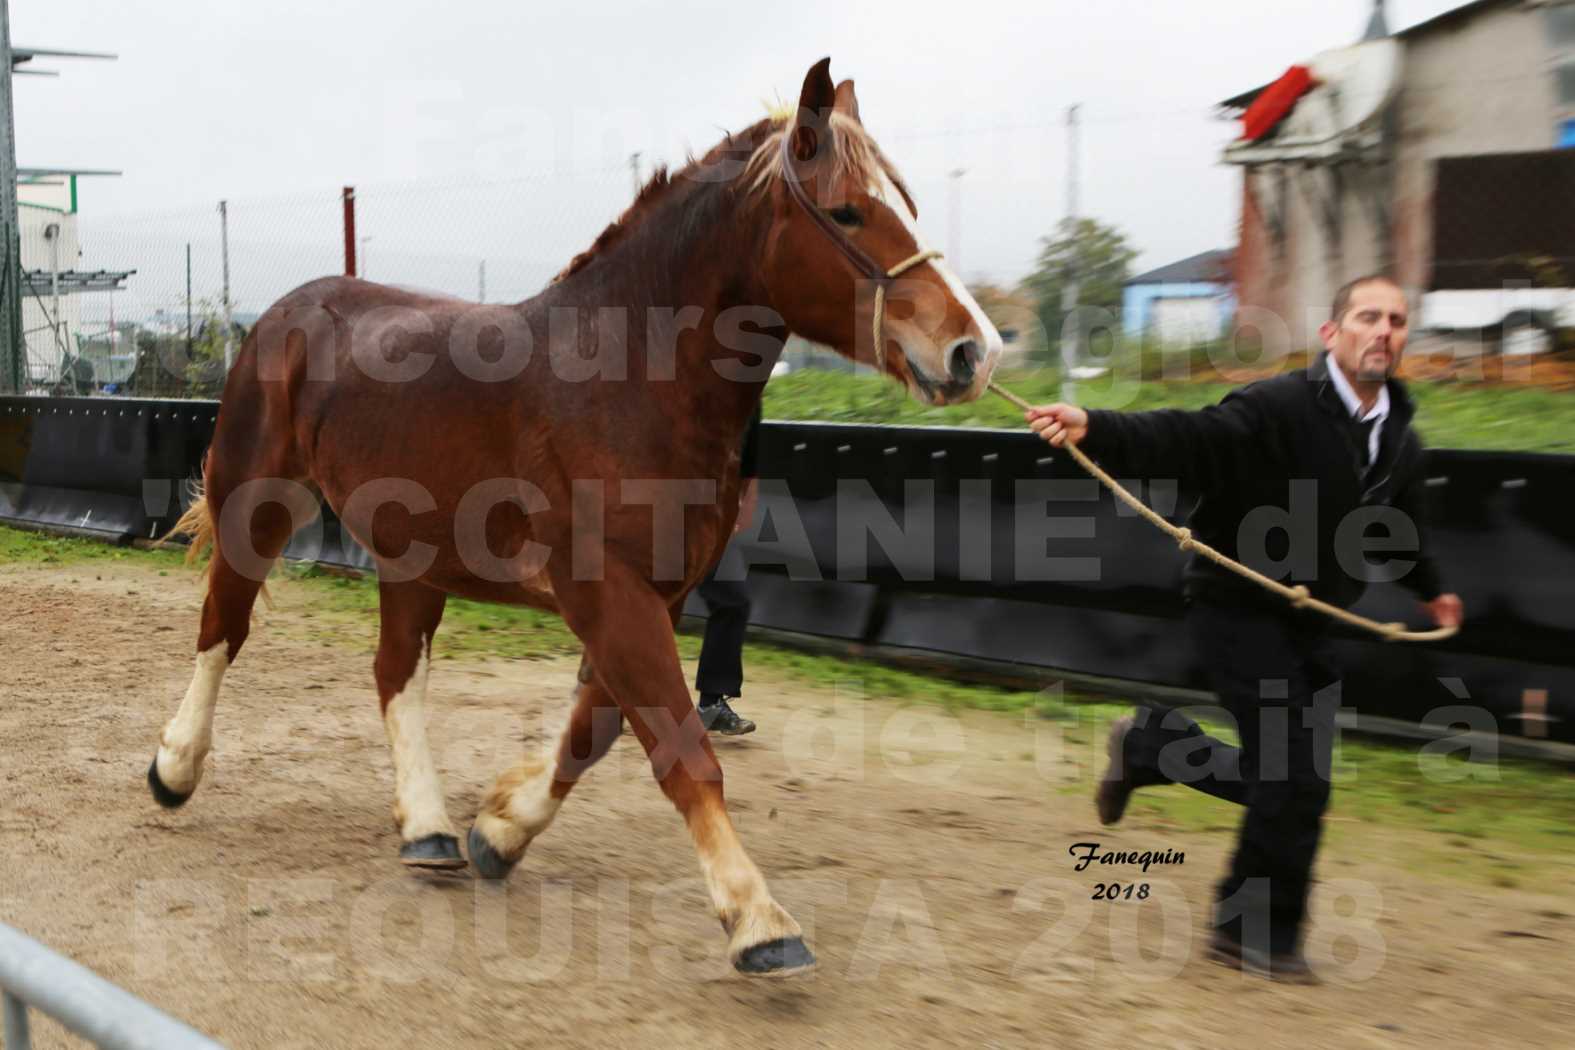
<point x="846" y="215"/>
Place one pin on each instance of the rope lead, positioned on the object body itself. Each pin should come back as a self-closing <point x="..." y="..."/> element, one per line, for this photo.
<point x="1298" y="596"/>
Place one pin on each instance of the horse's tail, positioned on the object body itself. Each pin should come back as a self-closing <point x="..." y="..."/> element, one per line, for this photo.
<point x="196" y="523"/>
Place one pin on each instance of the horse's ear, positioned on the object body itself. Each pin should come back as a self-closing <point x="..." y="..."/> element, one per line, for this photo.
<point x="815" y="103"/>
<point x="818" y="95"/>
<point x="847" y="102"/>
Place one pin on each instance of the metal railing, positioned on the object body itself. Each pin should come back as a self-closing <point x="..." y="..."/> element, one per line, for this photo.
<point x="33" y="976"/>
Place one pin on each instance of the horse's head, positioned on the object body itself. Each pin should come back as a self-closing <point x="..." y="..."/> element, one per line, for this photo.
<point x="842" y="228"/>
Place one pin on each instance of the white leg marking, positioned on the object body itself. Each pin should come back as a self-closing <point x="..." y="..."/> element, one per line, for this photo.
<point x="418" y="790"/>
<point x="748" y="912"/>
<point x="188" y="737"/>
<point x="520" y="805"/>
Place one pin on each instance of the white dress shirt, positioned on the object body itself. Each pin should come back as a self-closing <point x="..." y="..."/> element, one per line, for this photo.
<point x="1353" y="404"/>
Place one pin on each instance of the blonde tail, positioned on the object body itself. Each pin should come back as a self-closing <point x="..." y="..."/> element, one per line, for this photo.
<point x="197" y="523"/>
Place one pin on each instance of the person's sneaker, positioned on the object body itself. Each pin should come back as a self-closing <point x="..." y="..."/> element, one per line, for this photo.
<point x="1290" y="967"/>
<point x="1116" y="786"/>
<point x="718" y="717"/>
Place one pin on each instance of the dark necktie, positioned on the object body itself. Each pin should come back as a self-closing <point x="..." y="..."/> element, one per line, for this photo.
<point x="1363" y="429"/>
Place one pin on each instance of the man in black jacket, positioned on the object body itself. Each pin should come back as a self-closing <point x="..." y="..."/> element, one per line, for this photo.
<point x="1294" y="473"/>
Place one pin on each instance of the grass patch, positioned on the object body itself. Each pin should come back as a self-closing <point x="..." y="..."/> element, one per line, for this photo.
<point x="1449" y="415"/>
<point x="482" y="629"/>
<point x="469" y="628"/>
<point x="889" y="683"/>
<point x="1482" y="822"/>
<point x="24" y="546"/>
<point x="838" y="397"/>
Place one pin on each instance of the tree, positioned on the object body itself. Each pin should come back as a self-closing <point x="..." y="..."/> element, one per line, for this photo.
<point x="1100" y="259"/>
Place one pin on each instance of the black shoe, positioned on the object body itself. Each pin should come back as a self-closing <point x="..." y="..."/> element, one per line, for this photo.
<point x="718" y="717"/>
<point x="1291" y="967"/>
<point x="1116" y="786"/>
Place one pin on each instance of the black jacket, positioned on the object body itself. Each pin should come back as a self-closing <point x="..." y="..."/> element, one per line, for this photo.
<point x="1281" y="487"/>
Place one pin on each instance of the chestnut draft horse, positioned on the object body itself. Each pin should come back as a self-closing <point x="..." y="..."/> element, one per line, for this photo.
<point x="598" y="479"/>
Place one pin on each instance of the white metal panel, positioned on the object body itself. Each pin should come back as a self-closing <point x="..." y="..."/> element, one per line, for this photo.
<point x="49" y="240"/>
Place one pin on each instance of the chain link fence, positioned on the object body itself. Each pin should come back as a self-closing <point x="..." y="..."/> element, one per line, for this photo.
<point x="195" y="279"/>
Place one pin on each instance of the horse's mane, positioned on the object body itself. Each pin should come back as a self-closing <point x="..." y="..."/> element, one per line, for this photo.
<point x="854" y="154"/>
<point x="654" y="189"/>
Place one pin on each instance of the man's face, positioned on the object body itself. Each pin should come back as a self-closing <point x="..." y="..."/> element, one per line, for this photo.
<point x="1368" y="341"/>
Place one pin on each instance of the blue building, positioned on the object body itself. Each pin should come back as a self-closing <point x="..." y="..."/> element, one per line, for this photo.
<point x="1185" y="302"/>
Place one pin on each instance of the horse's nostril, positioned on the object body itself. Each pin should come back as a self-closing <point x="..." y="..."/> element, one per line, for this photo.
<point x="964" y="361"/>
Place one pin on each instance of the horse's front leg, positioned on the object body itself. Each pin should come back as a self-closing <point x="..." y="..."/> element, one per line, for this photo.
<point x="525" y="799"/>
<point x="627" y="629"/>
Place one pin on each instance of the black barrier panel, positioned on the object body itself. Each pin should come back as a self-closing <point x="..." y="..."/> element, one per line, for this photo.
<point x="74" y="463"/>
<point x="1027" y="561"/>
<point x="123" y="468"/>
<point x="1124" y="645"/>
<point x="975" y="543"/>
<point x="972" y="512"/>
<point x="1049" y="533"/>
<point x="824" y="610"/>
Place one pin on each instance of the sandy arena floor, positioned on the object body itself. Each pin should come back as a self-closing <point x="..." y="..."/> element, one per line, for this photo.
<point x="926" y="856"/>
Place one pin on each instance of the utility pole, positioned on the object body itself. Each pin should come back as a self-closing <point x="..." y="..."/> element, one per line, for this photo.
<point x="349" y="226"/>
<point x="1071" y="334"/>
<point x="188" y="299"/>
<point x="224" y="251"/>
<point x="634" y="170"/>
<point x="1072" y="161"/>
<point x="12" y="370"/>
<point x="481" y="281"/>
<point x="954" y="220"/>
<point x="52" y="235"/>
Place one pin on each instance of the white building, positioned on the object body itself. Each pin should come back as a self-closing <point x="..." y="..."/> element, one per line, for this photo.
<point x="1440" y="153"/>
<point x="47" y="222"/>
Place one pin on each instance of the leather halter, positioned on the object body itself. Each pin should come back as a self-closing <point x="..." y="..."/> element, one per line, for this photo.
<point x="861" y="261"/>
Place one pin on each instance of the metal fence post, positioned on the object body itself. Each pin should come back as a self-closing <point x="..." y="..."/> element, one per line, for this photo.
<point x="349" y="230"/>
<point x="224" y="252"/>
<point x="13" y="353"/>
<point x="83" y="1002"/>
<point x="16" y="1034"/>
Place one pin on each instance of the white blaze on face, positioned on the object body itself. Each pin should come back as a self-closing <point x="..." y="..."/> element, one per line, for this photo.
<point x="418" y="791"/>
<point x="885" y="191"/>
<point x="188" y="737"/>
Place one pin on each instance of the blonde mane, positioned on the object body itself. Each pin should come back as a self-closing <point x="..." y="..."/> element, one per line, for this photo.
<point x="854" y="154"/>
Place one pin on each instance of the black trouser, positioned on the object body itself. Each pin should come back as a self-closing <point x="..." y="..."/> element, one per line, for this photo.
<point x="722" y="652"/>
<point x="1272" y="673"/>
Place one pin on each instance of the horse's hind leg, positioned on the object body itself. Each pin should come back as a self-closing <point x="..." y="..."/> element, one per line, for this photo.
<point x="411" y="612"/>
<point x="524" y="799"/>
<point x="233" y="583"/>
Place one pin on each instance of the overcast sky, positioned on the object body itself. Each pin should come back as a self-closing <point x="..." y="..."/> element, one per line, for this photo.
<point x="528" y="111"/>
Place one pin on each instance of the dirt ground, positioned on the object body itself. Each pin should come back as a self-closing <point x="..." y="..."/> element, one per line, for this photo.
<point x="926" y="855"/>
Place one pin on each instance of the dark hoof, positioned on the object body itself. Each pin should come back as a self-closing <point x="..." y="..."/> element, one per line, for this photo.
<point x="488" y="862"/>
<point x="161" y="794"/>
<point x="434" y="851"/>
<point x="782" y="957"/>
